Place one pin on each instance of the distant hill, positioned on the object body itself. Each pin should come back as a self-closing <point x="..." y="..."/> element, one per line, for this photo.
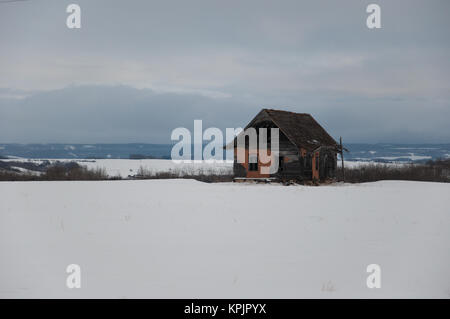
<point x="358" y="152"/>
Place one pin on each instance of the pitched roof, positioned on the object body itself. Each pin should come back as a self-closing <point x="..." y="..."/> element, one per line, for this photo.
<point x="301" y="129"/>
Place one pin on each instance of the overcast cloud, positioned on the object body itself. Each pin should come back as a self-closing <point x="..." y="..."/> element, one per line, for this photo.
<point x="138" y="69"/>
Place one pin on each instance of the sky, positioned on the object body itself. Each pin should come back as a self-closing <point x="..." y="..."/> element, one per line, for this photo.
<point x="136" y="70"/>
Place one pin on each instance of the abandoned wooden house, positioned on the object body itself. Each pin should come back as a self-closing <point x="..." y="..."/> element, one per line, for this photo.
<point x="306" y="151"/>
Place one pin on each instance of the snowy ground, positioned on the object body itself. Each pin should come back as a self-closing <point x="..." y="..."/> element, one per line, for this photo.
<point x="356" y="164"/>
<point x="125" y="167"/>
<point x="187" y="239"/>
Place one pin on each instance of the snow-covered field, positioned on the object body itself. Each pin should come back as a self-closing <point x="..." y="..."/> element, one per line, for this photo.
<point x="187" y="239"/>
<point x="125" y="167"/>
<point x="356" y="164"/>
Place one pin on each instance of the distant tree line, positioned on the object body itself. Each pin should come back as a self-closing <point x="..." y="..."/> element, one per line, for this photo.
<point x="46" y="171"/>
<point x="431" y="171"/>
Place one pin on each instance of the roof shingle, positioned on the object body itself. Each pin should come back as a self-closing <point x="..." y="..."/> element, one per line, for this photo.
<point x="301" y="129"/>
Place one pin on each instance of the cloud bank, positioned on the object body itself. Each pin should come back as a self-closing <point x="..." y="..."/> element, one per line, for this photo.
<point x="135" y="71"/>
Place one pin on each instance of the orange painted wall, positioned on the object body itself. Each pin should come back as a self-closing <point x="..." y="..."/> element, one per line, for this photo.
<point x="315" y="170"/>
<point x="253" y="174"/>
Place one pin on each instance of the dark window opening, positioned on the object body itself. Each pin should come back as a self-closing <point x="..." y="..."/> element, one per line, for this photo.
<point x="280" y="163"/>
<point x="308" y="162"/>
<point x="253" y="162"/>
